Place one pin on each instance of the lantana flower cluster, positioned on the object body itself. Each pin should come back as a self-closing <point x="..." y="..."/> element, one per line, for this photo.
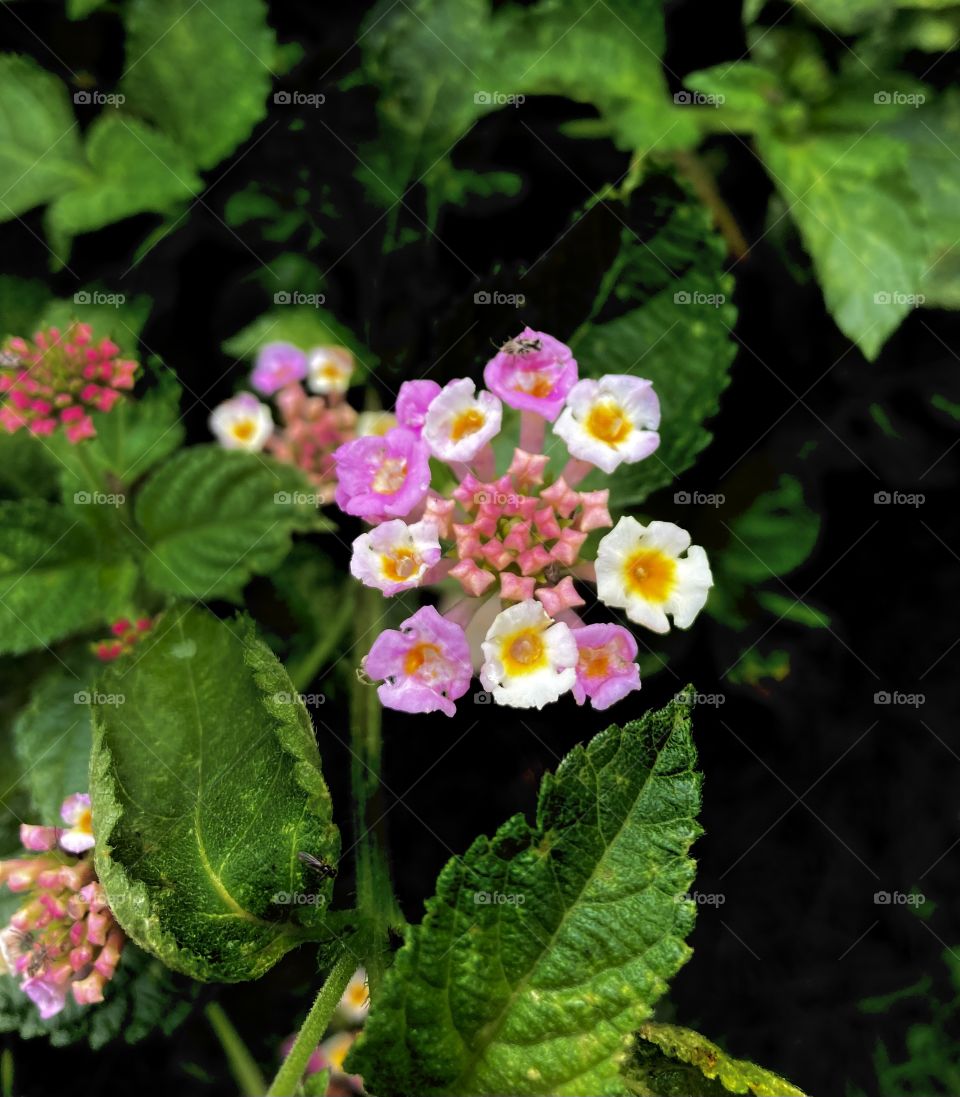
<point x="514" y="542"/>
<point x="56" y="380"/>
<point x="63" y="938"/>
<point x="126" y="634"/>
<point x="311" y="426"/>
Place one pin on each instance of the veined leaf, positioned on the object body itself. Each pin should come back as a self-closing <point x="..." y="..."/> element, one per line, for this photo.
<point x="213" y="517"/>
<point x="669" y="1061"/>
<point x="547" y="945"/>
<point x="206" y="784"/>
<point x="40" y="153"/>
<point x="56" y="577"/>
<point x="200" y="71"/>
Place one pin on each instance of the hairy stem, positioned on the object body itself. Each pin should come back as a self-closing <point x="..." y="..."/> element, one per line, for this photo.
<point x="312" y="1030"/>
<point x="244" y="1069"/>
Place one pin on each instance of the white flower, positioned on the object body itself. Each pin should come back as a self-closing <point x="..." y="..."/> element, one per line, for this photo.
<point x="640" y="569"/>
<point x="458" y="424"/>
<point x="394" y="556"/>
<point x="611" y="421"/>
<point x="529" y="659"/>
<point x="355" y="1000"/>
<point x="241" y="423"/>
<point x="329" y="369"/>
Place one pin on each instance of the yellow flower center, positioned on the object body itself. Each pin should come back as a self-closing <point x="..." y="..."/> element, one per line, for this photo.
<point x="467" y="422"/>
<point x="243" y="430"/>
<point x="400" y="565"/>
<point x="390" y="476"/>
<point x="650" y="574"/>
<point x="85" y="821"/>
<point x="608" y="422"/>
<point x="534" y="384"/>
<point x="595" y="662"/>
<point x="358" y="995"/>
<point x="524" y="652"/>
<point x="413" y="661"/>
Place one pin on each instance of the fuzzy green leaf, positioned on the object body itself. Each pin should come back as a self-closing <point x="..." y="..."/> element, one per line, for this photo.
<point x="206" y="783"/>
<point x="56" y="577"/>
<point x="133" y="169"/>
<point x="669" y="1061"/>
<point x="213" y="517"/>
<point x="40" y="154"/>
<point x="678" y="336"/>
<point x="200" y="71"/>
<point x="547" y="945"/>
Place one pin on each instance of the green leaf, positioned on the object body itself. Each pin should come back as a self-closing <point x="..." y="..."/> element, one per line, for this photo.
<point x="852" y="202"/>
<point x="212" y="518"/>
<point x="206" y="784"/>
<point x="110" y="314"/>
<point x="748" y="96"/>
<point x="80" y="9"/>
<point x="133" y="169"/>
<point x="201" y="72"/>
<point x="22" y="301"/>
<point x="669" y="1060"/>
<point x="678" y="335"/>
<point x="56" y="577"/>
<point x="755" y="666"/>
<point x="27" y="466"/>
<point x="787" y="608"/>
<point x="52" y="741"/>
<point x="547" y="945"/>
<point x="302" y="325"/>
<point x="851" y="16"/>
<point x="40" y="155"/>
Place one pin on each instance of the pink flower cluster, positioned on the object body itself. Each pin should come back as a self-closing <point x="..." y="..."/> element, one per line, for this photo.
<point x="311" y="426"/>
<point x="126" y="635"/>
<point x="514" y="543"/>
<point x="58" y="379"/>
<point x="64" y="937"/>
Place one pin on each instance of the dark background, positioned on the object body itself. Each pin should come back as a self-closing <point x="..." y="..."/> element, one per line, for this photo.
<point x="779" y="968"/>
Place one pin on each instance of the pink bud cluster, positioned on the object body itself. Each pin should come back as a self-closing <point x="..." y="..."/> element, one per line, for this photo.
<point x="59" y="378"/>
<point x="63" y="938"/>
<point x="126" y="635"/>
<point x="506" y="552"/>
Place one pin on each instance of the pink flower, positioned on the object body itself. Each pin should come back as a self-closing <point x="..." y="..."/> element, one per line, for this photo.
<point x="413" y="399"/>
<point x="278" y="364"/>
<point x="76" y="812"/>
<point x="606" y="672"/>
<point x="46" y="994"/>
<point x="394" y="556"/>
<point x="425" y="665"/>
<point x="532" y="372"/>
<point x="382" y="477"/>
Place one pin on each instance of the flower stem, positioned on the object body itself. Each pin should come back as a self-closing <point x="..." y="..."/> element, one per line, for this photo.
<point x="533" y="428"/>
<point x="312" y="1030"/>
<point x="243" y="1067"/>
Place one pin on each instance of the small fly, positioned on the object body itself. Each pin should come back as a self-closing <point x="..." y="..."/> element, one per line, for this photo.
<point x="316" y="864"/>
<point x="521" y="346"/>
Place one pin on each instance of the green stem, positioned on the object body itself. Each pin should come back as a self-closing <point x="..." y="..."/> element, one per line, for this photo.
<point x="312" y="1030"/>
<point x="244" y="1069"/>
<point x="304" y="669"/>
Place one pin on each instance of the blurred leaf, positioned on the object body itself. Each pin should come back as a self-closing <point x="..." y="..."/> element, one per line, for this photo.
<point x="200" y="71"/>
<point x="668" y="1060"/>
<point x="110" y="314"/>
<point x="40" y="155"/>
<point x="302" y="325"/>
<point x="57" y="577"/>
<point x="787" y="608"/>
<point x="748" y="96"/>
<point x="581" y="916"/>
<point x="199" y="833"/>
<point x="212" y="518"/>
<point x="27" y="466"/>
<point x="133" y="169"/>
<point x="754" y="667"/>
<point x="850" y="16"/>
<point x="80" y="9"/>
<point x="22" y="301"/>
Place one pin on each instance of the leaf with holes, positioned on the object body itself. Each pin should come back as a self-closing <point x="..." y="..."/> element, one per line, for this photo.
<point x="206" y="784"/>
<point x="212" y="518"/>
<point x="547" y="945"/>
